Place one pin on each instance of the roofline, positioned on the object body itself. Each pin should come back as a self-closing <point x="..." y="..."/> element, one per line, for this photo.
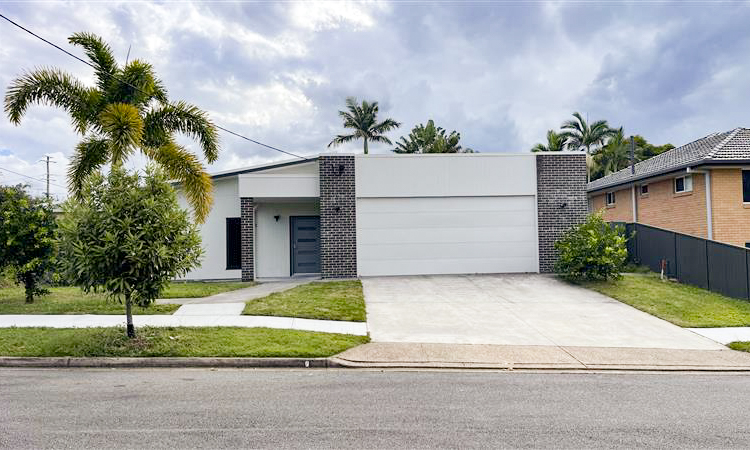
<point x="261" y="167"/>
<point x="699" y="163"/>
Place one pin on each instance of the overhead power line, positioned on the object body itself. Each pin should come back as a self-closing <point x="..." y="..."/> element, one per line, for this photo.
<point x="239" y="135"/>
<point x="31" y="178"/>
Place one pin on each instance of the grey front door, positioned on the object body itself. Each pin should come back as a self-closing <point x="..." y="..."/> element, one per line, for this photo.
<point x="305" y="232"/>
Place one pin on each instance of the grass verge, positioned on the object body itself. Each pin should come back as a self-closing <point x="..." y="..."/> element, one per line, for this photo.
<point x="69" y="300"/>
<point x="742" y="346"/>
<point x="182" y="341"/>
<point x="336" y="300"/>
<point x="681" y="304"/>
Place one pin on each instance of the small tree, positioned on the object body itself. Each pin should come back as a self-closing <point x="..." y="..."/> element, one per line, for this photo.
<point x="128" y="237"/>
<point x="27" y="238"/>
<point x="592" y="251"/>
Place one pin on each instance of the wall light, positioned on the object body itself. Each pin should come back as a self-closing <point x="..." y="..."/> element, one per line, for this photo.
<point x="277" y="218"/>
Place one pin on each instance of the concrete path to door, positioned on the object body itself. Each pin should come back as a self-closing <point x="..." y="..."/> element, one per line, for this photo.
<point x="512" y="309"/>
<point x="240" y="295"/>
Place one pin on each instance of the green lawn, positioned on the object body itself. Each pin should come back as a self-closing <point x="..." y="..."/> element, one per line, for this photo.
<point x="335" y="300"/>
<point x="209" y="341"/>
<point x="191" y="289"/>
<point x="69" y="300"/>
<point x="681" y="304"/>
<point x="741" y="346"/>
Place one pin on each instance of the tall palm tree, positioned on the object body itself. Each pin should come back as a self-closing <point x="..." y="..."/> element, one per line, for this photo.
<point x="555" y="143"/>
<point x="363" y="120"/>
<point x="579" y="134"/>
<point x="614" y="155"/>
<point x="115" y="119"/>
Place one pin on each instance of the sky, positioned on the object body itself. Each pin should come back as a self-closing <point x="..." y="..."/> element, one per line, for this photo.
<point x="500" y="73"/>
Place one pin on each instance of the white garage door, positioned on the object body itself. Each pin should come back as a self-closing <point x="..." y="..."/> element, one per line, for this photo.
<point x="444" y="235"/>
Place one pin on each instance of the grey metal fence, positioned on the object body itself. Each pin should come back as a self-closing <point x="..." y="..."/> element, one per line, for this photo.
<point x="712" y="265"/>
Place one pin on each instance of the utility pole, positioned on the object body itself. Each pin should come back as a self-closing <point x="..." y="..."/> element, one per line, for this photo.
<point x="47" y="159"/>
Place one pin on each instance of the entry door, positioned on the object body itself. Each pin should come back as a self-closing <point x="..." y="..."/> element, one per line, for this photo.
<point x="305" y="233"/>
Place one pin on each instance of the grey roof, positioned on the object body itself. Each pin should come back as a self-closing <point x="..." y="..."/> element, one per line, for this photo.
<point x="733" y="145"/>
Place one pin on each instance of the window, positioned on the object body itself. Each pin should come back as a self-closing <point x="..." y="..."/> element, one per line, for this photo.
<point x="747" y="244"/>
<point x="610" y="198"/>
<point x="683" y="184"/>
<point x="234" y="243"/>
<point x="644" y="189"/>
<point x="746" y="186"/>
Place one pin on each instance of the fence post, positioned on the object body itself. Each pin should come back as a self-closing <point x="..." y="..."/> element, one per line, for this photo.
<point x="708" y="272"/>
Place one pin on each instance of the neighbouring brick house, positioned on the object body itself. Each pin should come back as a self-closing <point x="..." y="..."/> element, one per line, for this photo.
<point x="701" y="188"/>
<point x="343" y="216"/>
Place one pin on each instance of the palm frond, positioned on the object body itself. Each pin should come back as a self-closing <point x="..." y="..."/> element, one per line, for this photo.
<point x="342" y="139"/>
<point x="181" y="165"/>
<point x="49" y="87"/>
<point x="183" y="118"/>
<point x="385" y="126"/>
<point x="381" y="139"/>
<point x="140" y="75"/>
<point x="90" y="154"/>
<point x="100" y="55"/>
<point x="123" y="126"/>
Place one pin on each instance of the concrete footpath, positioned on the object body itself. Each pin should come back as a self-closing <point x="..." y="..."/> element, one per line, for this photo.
<point x="513" y="357"/>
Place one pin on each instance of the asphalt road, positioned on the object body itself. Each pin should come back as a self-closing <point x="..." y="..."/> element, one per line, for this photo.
<point x="171" y="408"/>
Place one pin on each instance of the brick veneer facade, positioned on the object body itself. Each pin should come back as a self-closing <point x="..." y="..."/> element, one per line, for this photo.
<point x="731" y="217"/>
<point x="247" y="211"/>
<point x="338" y="217"/>
<point x="561" y="179"/>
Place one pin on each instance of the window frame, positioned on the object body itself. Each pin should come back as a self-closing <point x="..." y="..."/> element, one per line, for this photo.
<point x="644" y="194"/>
<point x="614" y="198"/>
<point x="233" y="252"/>
<point x="686" y="179"/>
<point x="746" y="189"/>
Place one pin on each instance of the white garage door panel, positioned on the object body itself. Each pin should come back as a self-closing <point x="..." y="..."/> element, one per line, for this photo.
<point x="403" y="236"/>
<point x="377" y="236"/>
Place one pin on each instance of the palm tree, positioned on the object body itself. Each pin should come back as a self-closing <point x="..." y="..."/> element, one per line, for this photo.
<point x="555" y="143"/>
<point x="579" y="134"/>
<point x="430" y="139"/>
<point x="614" y="155"/>
<point x="126" y="110"/>
<point x="363" y="120"/>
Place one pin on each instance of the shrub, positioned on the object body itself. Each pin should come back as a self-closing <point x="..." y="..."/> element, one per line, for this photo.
<point x="27" y="238"/>
<point x="592" y="251"/>
<point x="127" y="237"/>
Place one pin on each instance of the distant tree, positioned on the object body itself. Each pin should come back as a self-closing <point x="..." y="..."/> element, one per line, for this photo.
<point x="615" y="154"/>
<point x="27" y="238"/>
<point x="127" y="237"/>
<point x="430" y="139"/>
<point x="579" y="134"/>
<point x="555" y="143"/>
<point x="644" y="150"/>
<point x="115" y="119"/>
<point x="363" y="119"/>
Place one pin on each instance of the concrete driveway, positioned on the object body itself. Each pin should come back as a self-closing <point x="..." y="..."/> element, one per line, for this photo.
<point x="512" y="309"/>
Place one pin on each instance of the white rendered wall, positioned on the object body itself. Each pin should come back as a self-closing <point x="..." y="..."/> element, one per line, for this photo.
<point x="272" y="238"/>
<point x="213" y="231"/>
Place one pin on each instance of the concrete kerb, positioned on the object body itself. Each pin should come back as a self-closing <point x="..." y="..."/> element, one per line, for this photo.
<point x="166" y="362"/>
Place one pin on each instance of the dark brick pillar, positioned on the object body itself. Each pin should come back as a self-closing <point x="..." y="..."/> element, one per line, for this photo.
<point x="561" y="180"/>
<point x="247" y="210"/>
<point x="338" y="217"/>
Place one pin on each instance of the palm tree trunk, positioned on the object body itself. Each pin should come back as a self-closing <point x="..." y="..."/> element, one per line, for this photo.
<point x="365" y="146"/>
<point x="129" y="317"/>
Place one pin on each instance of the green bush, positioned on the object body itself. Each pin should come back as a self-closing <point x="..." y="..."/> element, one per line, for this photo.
<point x="592" y="251"/>
<point x="27" y="238"/>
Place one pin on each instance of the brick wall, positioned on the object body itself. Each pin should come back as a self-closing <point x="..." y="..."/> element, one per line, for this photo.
<point x="731" y="217"/>
<point x="338" y="215"/>
<point x="247" y="211"/>
<point x="661" y="207"/>
<point x="621" y="211"/>
<point x="560" y="179"/>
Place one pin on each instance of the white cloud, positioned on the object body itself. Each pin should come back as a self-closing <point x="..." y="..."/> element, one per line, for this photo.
<point x="327" y="15"/>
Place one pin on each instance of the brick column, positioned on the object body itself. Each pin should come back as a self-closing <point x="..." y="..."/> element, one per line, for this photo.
<point x="338" y="217"/>
<point x="561" y="200"/>
<point x="247" y="210"/>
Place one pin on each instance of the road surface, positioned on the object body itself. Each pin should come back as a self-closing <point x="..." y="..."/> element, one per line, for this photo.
<point x="179" y="408"/>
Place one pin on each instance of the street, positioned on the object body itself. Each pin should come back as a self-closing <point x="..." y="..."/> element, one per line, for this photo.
<point x="345" y="408"/>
